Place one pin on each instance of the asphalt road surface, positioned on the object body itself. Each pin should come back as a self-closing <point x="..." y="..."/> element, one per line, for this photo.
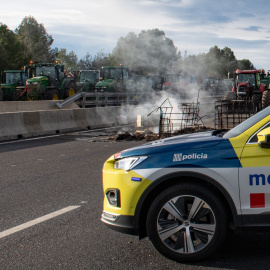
<point x="51" y="203"/>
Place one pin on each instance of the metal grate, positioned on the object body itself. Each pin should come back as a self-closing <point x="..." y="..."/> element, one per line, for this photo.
<point x="170" y="122"/>
<point x="230" y="113"/>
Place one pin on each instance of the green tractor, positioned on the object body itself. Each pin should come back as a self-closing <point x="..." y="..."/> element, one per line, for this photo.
<point x="114" y="79"/>
<point x="157" y="81"/>
<point x="49" y="83"/>
<point x="12" y="79"/>
<point x="87" y="79"/>
<point x="143" y="84"/>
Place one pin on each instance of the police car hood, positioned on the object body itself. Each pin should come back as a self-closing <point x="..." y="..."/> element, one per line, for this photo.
<point x="200" y="140"/>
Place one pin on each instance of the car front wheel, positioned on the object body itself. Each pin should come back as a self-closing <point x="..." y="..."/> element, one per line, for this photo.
<point x="187" y="222"/>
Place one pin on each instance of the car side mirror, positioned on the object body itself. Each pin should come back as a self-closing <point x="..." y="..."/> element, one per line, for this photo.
<point x="264" y="138"/>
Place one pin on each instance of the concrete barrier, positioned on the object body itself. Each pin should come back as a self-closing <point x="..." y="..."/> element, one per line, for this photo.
<point x="37" y="105"/>
<point x="25" y="124"/>
<point x="11" y="126"/>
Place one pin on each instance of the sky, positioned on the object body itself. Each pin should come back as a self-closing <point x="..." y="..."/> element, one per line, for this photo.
<point x="88" y="26"/>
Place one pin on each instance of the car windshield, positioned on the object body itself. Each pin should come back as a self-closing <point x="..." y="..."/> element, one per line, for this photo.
<point x="247" y="123"/>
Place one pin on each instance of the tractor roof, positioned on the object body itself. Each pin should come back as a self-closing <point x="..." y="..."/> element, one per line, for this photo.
<point x="89" y="70"/>
<point x="13" y="71"/>
<point x="248" y="71"/>
<point x="114" y="67"/>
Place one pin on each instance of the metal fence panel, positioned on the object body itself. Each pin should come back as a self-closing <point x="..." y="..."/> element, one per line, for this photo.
<point x="230" y="113"/>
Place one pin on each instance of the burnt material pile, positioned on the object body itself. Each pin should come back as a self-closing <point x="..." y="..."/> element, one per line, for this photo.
<point x="188" y="130"/>
<point x="128" y="136"/>
<point x="150" y="136"/>
<point x="141" y="136"/>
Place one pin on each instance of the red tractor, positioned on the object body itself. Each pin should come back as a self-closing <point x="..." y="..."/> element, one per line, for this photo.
<point x="247" y="86"/>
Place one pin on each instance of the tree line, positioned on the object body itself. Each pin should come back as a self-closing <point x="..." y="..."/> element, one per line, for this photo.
<point x="150" y="51"/>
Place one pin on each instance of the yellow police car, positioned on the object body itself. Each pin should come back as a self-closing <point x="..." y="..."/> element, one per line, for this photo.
<point x="184" y="192"/>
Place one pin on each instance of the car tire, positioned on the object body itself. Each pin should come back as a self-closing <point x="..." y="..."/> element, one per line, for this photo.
<point x="187" y="222"/>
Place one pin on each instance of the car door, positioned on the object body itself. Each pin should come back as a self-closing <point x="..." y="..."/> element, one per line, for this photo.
<point x="254" y="177"/>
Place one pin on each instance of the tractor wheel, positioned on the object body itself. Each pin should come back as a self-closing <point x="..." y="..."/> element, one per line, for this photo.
<point x="257" y="101"/>
<point x="266" y="99"/>
<point x="8" y="96"/>
<point x="70" y="90"/>
<point x="17" y="95"/>
<point x="52" y="95"/>
<point x="230" y="96"/>
<point x="30" y="97"/>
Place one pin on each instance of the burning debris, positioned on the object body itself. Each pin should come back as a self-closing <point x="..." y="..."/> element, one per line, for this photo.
<point x="186" y="120"/>
<point x="192" y="130"/>
<point x="171" y="122"/>
<point x="151" y="136"/>
<point x="128" y="136"/>
<point x="167" y="124"/>
<point x="148" y="136"/>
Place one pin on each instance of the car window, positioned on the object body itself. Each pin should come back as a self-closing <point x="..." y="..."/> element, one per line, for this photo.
<point x="253" y="138"/>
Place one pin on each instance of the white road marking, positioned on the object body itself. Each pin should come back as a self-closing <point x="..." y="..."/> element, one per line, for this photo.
<point x="37" y="221"/>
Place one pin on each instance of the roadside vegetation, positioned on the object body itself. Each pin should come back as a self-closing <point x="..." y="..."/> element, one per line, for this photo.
<point x="150" y="51"/>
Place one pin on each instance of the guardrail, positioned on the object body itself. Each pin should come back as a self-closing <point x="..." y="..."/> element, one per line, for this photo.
<point x="109" y="99"/>
<point x="100" y="99"/>
<point x="97" y="99"/>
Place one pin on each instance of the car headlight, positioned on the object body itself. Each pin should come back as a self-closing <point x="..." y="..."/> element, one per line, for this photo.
<point x="128" y="163"/>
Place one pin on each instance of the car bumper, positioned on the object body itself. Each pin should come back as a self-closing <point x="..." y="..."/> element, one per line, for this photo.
<point x="120" y="223"/>
<point x="119" y="187"/>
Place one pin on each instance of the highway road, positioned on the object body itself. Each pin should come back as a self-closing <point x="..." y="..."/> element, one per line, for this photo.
<point x="51" y="203"/>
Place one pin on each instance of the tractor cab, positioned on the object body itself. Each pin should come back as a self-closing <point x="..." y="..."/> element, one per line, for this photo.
<point x="113" y="79"/>
<point x="115" y="73"/>
<point x="248" y="83"/>
<point x="12" y="79"/>
<point x="87" y="80"/>
<point x="171" y="82"/>
<point x="50" y="70"/>
<point x="14" y="76"/>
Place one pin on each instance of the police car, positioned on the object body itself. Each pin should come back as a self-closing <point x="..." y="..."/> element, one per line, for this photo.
<point x="184" y="192"/>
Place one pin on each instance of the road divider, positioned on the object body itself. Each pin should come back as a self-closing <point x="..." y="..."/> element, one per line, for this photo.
<point x="25" y="124"/>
